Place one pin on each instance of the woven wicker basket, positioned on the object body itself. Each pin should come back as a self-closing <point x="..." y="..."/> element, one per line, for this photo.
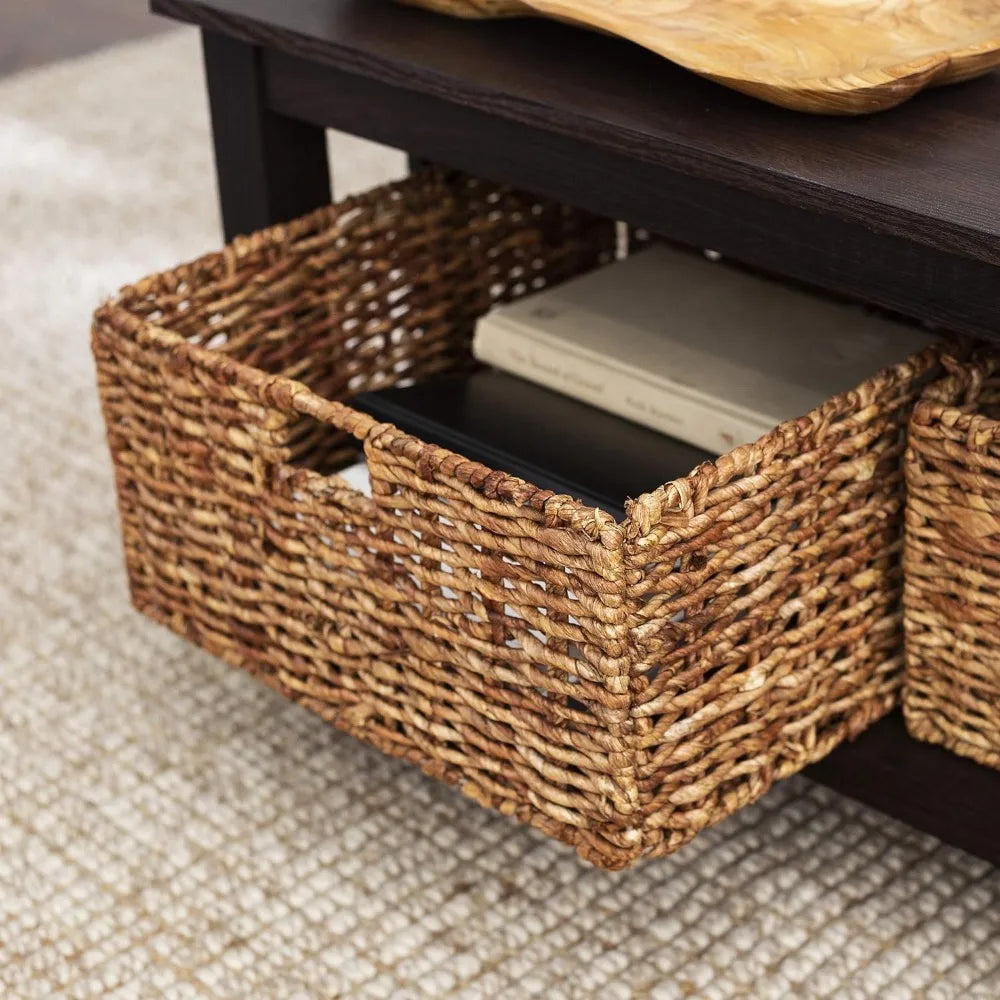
<point x="952" y="563"/>
<point x="618" y="685"/>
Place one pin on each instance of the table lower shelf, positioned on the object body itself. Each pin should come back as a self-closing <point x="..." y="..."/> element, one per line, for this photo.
<point x="923" y="785"/>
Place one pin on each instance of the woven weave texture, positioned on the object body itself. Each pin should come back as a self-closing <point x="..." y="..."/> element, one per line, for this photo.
<point x="952" y="560"/>
<point x="619" y="686"/>
<point x="171" y="828"/>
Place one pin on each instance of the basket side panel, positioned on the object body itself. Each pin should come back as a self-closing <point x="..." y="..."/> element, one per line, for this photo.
<point x="766" y="607"/>
<point x="952" y="570"/>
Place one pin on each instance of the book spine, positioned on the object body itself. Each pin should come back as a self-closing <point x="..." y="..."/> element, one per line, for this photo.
<point x="658" y="407"/>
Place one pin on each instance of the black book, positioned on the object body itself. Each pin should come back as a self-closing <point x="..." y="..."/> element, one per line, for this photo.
<point x="548" y="439"/>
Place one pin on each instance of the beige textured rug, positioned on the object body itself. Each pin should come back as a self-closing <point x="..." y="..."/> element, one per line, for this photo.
<point x="170" y="828"/>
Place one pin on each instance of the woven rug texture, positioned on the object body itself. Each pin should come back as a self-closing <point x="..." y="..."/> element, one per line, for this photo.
<point x="170" y="828"/>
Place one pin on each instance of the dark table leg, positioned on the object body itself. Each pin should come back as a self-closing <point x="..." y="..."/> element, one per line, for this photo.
<point x="270" y="168"/>
<point x="926" y="786"/>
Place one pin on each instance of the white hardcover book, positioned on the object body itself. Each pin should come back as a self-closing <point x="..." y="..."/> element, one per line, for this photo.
<point x="691" y="348"/>
<point x="617" y="388"/>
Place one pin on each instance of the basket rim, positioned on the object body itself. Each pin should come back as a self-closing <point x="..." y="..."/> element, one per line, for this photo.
<point x="671" y="503"/>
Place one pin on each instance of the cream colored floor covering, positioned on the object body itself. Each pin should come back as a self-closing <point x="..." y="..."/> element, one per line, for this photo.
<point x="168" y="828"/>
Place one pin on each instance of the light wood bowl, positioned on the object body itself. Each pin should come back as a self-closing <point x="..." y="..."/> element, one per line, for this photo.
<point x="823" y="56"/>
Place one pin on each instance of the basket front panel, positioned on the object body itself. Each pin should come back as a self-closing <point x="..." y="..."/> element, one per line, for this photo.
<point x="952" y="569"/>
<point x="514" y="677"/>
<point x="766" y="616"/>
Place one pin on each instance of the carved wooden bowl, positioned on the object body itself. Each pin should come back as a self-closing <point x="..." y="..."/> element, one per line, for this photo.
<point x="825" y="56"/>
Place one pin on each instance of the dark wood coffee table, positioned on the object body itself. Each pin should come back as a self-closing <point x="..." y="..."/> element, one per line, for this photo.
<point x="900" y="209"/>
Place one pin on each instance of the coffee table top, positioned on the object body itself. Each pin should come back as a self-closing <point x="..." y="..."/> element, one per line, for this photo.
<point x="929" y="170"/>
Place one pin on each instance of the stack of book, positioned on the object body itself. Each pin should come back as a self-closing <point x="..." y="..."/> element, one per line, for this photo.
<point x="713" y="356"/>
